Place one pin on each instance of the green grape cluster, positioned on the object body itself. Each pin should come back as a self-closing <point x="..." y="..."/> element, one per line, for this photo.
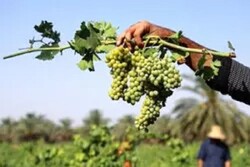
<point x="135" y="75"/>
<point x="118" y="60"/>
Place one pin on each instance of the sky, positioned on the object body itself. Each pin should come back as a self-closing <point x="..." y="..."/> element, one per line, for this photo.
<point x="58" y="89"/>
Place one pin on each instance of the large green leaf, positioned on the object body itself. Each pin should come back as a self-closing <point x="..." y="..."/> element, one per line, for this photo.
<point x="106" y="30"/>
<point x="85" y="43"/>
<point x="86" y="39"/>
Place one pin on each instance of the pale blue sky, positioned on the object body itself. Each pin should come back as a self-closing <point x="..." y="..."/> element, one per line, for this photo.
<point x="59" y="89"/>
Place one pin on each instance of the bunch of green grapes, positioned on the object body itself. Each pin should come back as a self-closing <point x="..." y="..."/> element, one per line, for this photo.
<point x="135" y="75"/>
<point x="118" y="60"/>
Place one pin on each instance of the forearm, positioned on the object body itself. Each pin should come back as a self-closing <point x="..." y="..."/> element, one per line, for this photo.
<point x="233" y="78"/>
<point x="193" y="59"/>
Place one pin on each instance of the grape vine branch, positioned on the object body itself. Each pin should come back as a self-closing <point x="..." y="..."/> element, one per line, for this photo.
<point x="149" y="71"/>
<point x="160" y="42"/>
<point x="46" y="30"/>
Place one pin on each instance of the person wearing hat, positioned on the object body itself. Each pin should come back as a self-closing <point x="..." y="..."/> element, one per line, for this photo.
<point x="213" y="151"/>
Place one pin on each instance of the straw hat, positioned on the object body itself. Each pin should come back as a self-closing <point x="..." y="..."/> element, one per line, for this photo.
<point x="216" y="133"/>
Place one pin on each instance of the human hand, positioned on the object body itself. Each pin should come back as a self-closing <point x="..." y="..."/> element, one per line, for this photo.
<point x="136" y="32"/>
<point x="133" y="36"/>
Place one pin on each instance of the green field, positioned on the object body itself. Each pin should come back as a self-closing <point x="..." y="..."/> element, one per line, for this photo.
<point x="148" y="155"/>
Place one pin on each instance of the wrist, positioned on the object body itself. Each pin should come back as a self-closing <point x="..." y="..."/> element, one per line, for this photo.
<point x="194" y="58"/>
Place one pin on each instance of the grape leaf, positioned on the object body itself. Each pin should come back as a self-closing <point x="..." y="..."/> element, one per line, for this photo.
<point x="230" y="46"/>
<point x="215" y="66"/>
<point x="201" y="62"/>
<point x="85" y="43"/>
<point x="87" y="62"/>
<point x="208" y="72"/>
<point x="174" y="38"/>
<point x="176" y="35"/>
<point x="106" y="30"/>
<point x="96" y="57"/>
<point x="216" y="63"/>
<point x="85" y="39"/>
<point x="46" y="30"/>
<point x="47" y="55"/>
<point x="147" y="52"/>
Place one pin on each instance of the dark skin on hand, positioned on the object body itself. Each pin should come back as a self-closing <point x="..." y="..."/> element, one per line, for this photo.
<point x="137" y="31"/>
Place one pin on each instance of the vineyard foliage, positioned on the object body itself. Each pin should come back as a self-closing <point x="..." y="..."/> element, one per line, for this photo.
<point x="101" y="149"/>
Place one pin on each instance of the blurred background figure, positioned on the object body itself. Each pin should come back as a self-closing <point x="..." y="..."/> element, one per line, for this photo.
<point x="214" y="152"/>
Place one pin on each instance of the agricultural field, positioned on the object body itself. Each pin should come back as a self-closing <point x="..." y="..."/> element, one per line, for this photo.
<point x="35" y="141"/>
<point x="172" y="153"/>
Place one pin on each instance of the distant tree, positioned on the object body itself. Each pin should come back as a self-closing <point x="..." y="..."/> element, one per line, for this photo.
<point x="162" y="126"/>
<point x="64" y="130"/>
<point x="33" y="127"/>
<point x="127" y="119"/>
<point x="194" y="116"/>
<point x="66" y="123"/>
<point x="122" y="125"/>
<point x="95" y="117"/>
<point x="7" y="129"/>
